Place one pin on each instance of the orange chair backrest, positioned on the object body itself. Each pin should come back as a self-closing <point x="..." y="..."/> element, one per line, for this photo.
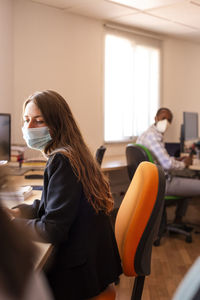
<point x="137" y="217"/>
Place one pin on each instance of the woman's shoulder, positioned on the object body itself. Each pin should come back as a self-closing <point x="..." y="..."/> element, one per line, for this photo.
<point x="58" y="155"/>
<point x="58" y="161"/>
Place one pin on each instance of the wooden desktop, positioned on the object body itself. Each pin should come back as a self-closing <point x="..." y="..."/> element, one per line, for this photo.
<point x="111" y="163"/>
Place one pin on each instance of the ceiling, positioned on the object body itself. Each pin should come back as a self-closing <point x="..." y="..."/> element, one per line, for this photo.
<point x="177" y="18"/>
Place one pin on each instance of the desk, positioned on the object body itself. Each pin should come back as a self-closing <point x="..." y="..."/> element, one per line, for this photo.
<point x="15" y="170"/>
<point x="20" y="180"/>
<point x="111" y="163"/>
<point x="195" y="167"/>
<point x="44" y="249"/>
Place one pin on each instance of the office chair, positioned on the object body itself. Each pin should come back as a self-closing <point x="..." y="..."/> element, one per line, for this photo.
<point x="137" y="223"/>
<point x="100" y="154"/>
<point x="136" y="153"/>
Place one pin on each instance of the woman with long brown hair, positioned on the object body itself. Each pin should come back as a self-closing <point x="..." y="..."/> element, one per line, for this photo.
<point x="73" y="213"/>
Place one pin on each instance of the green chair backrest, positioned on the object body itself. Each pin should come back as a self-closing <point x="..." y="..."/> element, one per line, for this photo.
<point x="150" y="157"/>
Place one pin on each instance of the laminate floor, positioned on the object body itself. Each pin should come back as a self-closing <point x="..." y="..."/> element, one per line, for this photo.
<point x="170" y="261"/>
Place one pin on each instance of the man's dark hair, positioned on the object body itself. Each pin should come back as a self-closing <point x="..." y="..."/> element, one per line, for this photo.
<point x="163" y="108"/>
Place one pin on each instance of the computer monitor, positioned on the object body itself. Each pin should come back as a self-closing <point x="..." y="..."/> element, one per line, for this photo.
<point x="173" y="149"/>
<point x="5" y="137"/>
<point x="189" y="128"/>
<point x="190" y="122"/>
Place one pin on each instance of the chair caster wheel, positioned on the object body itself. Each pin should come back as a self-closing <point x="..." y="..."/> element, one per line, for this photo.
<point x="157" y="243"/>
<point x="188" y="239"/>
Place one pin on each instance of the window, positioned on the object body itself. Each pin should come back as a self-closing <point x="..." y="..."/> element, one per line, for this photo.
<point x="132" y="85"/>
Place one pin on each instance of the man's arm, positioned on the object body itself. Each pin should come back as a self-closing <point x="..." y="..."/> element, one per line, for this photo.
<point x="167" y="162"/>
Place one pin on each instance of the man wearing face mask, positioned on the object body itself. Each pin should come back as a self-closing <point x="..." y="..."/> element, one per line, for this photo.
<point x="175" y="168"/>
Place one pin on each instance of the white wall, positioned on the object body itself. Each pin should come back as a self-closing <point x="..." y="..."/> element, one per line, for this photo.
<point x="181" y="81"/>
<point x="55" y="50"/>
<point x="6" y="56"/>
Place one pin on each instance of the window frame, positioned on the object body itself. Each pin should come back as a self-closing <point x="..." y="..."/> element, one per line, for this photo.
<point x="142" y="39"/>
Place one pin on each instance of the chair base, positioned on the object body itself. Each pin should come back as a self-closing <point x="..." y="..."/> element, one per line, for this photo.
<point x="138" y="288"/>
<point x="173" y="228"/>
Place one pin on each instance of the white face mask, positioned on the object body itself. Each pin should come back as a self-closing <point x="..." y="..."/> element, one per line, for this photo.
<point x="162" y="125"/>
<point x="36" y="138"/>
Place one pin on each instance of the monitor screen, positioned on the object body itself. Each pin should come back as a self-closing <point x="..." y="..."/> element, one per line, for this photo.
<point x="190" y="120"/>
<point x="173" y="149"/>
<point x="5" y="137"/>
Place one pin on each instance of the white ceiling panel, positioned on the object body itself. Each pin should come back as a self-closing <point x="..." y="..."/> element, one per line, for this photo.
<point x="61" y="3"/>
<point x="184" y="13"/>
<point x="172" y="17"/>
<point x="101" y="9"/>
<point x="152" y="23"/>
<point x="146" y="4"/>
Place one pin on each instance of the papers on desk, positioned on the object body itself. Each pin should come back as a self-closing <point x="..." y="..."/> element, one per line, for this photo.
<point x="34" y="163"/>
<point x="14" y="197"/>
<point x="29" y="165"/>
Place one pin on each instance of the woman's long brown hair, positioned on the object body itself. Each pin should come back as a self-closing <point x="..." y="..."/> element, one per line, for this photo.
<point x="16" y="257"/>
<point x="65" y="133"/>
<point x="17" y="253"/>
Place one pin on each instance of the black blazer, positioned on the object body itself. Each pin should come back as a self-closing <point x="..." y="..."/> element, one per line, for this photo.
<point x="85" y="258"/>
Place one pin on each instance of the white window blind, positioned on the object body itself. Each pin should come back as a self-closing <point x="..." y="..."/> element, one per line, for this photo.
<point x="132" y="85"/>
